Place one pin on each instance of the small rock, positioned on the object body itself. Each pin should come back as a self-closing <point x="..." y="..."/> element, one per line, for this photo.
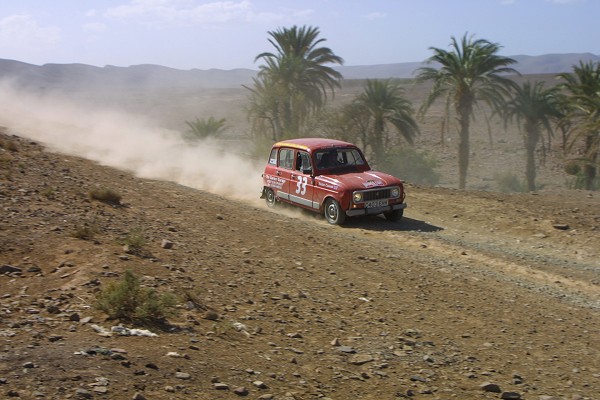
<point x="510" y="396"/>
<point x="259" y="384"/>
<point x="53" y="310"/>
<point x="428" y="358"/>
<point x="241" y="391"/>
<point x="346" y="349"/>
<point x="211" y="316"/>
<point x="561" y="227"/>
<point x="8" y="269"/>
<point x="490" y="387"/>
<point x="360" y="359"/>
<point x="182" y="375"/>
<point x="138" y="396"/>
<point x="221" y="386"/>
<point x="82" y="394"/>
<point x="166" y="244"/>
<point x="517" y="379"/>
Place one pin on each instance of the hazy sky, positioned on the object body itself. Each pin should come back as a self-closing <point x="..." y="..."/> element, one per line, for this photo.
<point x="205" y="34"/>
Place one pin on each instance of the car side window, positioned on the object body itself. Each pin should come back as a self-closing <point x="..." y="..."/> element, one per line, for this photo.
<point x="273" y="157"/>
<point x="286" y="158"/>
<point x="303" y="162"/>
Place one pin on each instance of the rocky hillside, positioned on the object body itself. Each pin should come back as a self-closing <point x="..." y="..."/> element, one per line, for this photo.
<point x="472" y="296"/>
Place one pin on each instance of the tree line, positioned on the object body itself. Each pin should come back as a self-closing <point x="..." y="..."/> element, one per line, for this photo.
<point x="294" y="83"/>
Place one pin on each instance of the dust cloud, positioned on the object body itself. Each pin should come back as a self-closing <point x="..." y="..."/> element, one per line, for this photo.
<point x="128" y="142"/>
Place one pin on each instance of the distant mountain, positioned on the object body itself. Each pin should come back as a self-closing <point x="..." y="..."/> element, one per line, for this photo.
<point x="145" y="77"/>
<point x="552" y="63"/>
<point x="149" y="77"/>
<point x="526" y="65"/>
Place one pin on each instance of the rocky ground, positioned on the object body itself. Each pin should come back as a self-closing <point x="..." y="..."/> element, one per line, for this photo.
<point x="474" y="295"/>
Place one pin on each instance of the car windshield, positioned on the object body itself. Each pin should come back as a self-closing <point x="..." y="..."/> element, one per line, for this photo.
<point x="340" y="159"/>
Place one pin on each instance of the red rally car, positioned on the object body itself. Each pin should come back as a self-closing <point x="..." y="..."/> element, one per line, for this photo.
<point x="330" y="177"/>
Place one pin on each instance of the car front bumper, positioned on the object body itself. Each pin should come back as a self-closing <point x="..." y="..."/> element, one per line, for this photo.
<point x="375" y="210"/>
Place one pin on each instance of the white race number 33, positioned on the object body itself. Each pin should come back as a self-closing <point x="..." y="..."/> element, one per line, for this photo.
<point x="301" y="186"/>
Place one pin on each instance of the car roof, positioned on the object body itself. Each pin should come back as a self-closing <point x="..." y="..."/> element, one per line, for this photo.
<point x="312" y="143"/>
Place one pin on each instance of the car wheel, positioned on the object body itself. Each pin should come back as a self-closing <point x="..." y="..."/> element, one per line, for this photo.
<point x="394" y="216"/>
<point x="334" y="213"/>
<point x="270" y="198"/>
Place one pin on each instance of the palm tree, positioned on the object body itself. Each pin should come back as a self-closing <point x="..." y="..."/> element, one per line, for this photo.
<point x="533" y="107"/>
<point x="204" y="128"/>
<point x="263" y="108"/>
<point x="583" y="100"/>
<point x="471" y="72"/>
<point x="384" y="106"/>
<point x="293" y="82"/>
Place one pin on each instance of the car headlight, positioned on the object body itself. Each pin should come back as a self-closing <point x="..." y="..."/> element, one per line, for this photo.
<point x="396" y="192"/>
<point x="357" y="197"/>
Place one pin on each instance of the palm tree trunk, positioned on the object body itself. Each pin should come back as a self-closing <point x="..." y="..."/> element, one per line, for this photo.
<point x="463" y="151"/>
<point x="378" y="147"/>
<point x="532" y="136"/>
<point x="530" y="166"/>
<point x="589" y="170"/>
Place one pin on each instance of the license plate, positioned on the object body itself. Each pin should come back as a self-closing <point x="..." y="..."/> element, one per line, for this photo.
<point x="376" y="203"/>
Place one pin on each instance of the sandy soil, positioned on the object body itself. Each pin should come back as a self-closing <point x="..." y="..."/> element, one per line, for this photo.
<point x="474" y="295"/>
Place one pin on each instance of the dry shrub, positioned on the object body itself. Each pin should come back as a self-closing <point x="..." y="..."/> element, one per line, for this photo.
<point x="128" y="301"/>
<point x="105" y="195"/>
<point x="86" y="230"/>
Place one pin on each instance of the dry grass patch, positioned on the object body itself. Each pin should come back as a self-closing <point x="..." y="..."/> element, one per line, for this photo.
<point x="105" y="195"/>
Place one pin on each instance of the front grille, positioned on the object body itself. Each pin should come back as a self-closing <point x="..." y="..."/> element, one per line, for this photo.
<point x="377" y="194"/>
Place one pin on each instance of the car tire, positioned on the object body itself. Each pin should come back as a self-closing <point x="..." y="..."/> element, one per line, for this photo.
<point x="394" y="216"/>
<point x="270" y="198"/>
<point x="333" y="212"/>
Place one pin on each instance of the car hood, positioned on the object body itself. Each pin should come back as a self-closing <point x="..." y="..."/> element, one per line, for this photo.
<point x="358" y="180"/>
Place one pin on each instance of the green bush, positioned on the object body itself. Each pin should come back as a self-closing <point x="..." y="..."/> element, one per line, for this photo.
<point x="9" y="145"/>
<point x="127" y="300"/>
<point x="574" y="168"/>
<point x="86" y="230"/>
<point x="578" y="182"/>
<point x="412" y="166"/>
<point x="507" y="182"/>
<point x="135" y="239"/>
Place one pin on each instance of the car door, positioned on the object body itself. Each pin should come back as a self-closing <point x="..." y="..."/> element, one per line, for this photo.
<point x="302" y="182"/>
<point x="284" y="172"/>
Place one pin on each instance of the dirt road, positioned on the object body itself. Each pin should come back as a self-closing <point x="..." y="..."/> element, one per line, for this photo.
<point x="473" y="295"/>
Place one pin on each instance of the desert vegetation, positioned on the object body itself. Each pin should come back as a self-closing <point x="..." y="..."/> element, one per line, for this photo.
<point x="129" y="301"/>
<point x="290" y="98"/>
<point x="473" y="295"/>
<point x="202" y="128"/>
